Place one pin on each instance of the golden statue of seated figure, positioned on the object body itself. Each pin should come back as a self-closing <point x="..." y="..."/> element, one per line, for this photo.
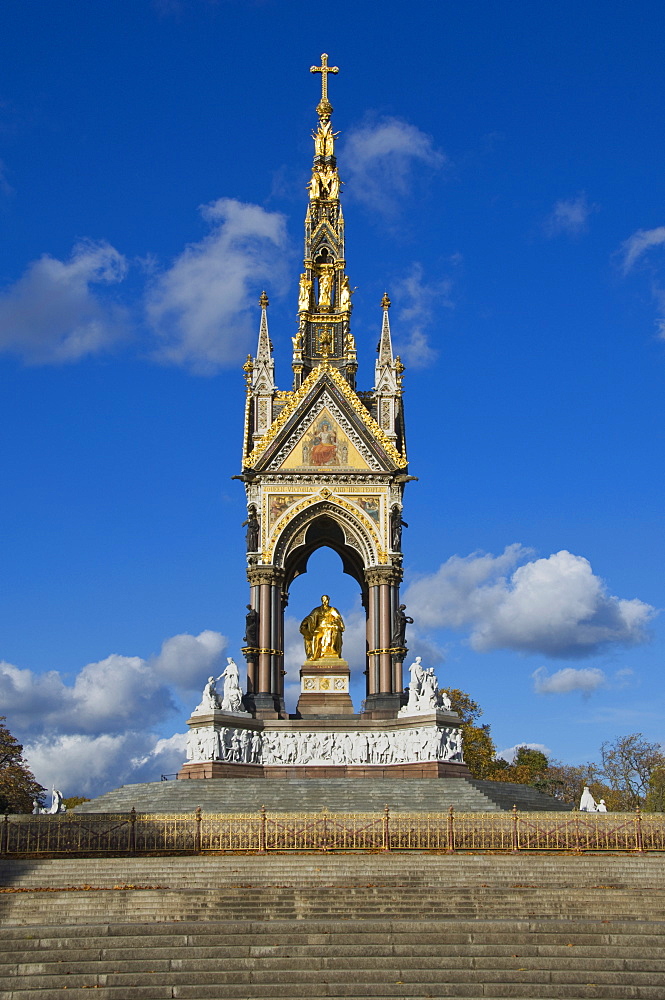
<point x="322" y="631"/>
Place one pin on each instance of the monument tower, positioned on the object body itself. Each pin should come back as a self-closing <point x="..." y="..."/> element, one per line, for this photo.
<point x="324" y="465"/>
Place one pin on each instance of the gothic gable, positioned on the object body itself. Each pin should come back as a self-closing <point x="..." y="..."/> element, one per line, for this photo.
<point x="324" y="427"/>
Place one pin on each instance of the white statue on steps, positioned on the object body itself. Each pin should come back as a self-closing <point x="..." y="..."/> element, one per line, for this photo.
<point x="587" y="802"/>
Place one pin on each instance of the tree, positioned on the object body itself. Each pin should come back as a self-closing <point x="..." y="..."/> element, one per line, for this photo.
<point x="655" y="800"/>
<point x="18" y="787"/>
<point x="530" y="767"/>
<point x="73" y="801"/>
<point x="627" y="766"/>
<point x="479" y="749"/>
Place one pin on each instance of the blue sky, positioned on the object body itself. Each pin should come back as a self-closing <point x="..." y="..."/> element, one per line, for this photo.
<point x="503" y="168"/>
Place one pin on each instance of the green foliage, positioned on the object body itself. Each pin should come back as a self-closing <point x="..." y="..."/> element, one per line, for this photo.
<point x="18" y="786"/>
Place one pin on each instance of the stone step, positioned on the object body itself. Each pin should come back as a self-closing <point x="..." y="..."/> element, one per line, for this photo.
<point x="311" y="795"/>
<point x="615" y="960"/>
<point x="100" y="906"/>
<point x="339" y="870"/>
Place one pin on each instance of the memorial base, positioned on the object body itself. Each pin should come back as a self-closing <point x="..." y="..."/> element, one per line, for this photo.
<point x="424" y="769"/>
<point x="324" y="689"/>
<point x="383" y="706"/>
<point x="221" y="745"/>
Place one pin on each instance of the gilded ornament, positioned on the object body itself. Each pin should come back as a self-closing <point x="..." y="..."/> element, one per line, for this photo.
<point x="324" y="69"/>
<point x="322" y="631"/>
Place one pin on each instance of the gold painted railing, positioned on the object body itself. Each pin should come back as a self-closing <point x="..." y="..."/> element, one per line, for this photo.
<point x="261" y="832"/>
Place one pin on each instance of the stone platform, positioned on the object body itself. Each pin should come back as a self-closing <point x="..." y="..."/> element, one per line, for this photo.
<point x="314" y="794"/>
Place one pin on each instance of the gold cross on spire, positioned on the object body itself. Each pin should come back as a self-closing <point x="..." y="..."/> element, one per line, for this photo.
<point x="324" y="69"/>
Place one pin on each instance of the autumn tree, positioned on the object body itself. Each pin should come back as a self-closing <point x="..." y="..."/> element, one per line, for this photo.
<point x="530" y="767"/>
<point x="73" y="801"/>
<point x="628" y="765"/>
<point x="655" y="799"/>
<point x="479" y="749"/>
<point x="18" y="786"/>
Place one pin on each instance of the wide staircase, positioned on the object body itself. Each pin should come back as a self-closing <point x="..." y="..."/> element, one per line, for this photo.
<point x="320" y="925"/>
<point x="244" y="795"/>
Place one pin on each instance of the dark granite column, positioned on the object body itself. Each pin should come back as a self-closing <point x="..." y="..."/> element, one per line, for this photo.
<point x="384" y="682"/>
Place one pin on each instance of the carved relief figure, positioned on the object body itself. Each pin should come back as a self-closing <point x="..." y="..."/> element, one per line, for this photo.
<point x="322" y="631"/>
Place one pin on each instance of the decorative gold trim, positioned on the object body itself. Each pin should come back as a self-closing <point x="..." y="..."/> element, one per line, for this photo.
<point x="393" y="649"/>
<point x="255" y="649"/>
<point x="325" y="368"/>
<point x="309" y="501"/>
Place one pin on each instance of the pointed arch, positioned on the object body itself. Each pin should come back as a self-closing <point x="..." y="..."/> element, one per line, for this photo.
<point x="325" y="524"/>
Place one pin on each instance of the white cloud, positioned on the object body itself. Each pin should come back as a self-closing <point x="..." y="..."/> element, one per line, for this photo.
<point x="632" y="250"/>
<point x="639" y="243"/>
<point x="79" y="764"/>
<point x="586" y="680"/>
<point x="202" y="308"/>
<point x="109" y="695"/>
<point x="56" y="313"/>
<point x="569" y="216"/>
<point x="379" y="161"/>
<point x="555" y="606"/>
<point x="510" y="753"/>
<point x="455" y="594"/>
<point x="417" y="303"/>
<point x="187" y="660"/>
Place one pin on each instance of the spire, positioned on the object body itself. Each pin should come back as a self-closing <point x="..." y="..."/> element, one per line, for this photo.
<point x="261" y="376"/>
<point x="263" y="352"/>
<point x="388" y="372"/>
<point x="324" y="292"/>
<point x="385" y="344"/>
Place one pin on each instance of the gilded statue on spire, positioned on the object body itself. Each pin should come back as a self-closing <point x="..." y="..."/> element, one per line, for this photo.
<point x="324" y="139"/>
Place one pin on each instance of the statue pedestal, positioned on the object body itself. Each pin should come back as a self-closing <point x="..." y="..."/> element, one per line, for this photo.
<point x="324" y="688"/>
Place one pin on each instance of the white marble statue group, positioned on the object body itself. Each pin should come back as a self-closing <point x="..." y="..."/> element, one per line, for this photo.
<point x="589" y="805"/>
<point x="57" y="805"/>
<point x="402" y="746"/>
<point x="231" y="699"/>
<point x="424" y="694"/>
